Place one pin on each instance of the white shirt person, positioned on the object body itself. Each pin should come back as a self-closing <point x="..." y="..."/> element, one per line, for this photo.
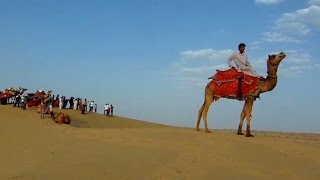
<point x="240" y="61"/>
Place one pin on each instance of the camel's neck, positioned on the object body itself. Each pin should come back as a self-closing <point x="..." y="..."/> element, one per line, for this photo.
<point x="269" y="84"/>
<point x="272" y="78"/>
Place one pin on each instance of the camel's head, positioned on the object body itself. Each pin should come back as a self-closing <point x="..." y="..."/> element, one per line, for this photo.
<point x="274" y="61"/>
<point x="276" y="58"/>
<point x="22" y="90"/>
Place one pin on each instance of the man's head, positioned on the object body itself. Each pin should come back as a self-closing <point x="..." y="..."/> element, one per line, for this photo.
<point x="241" y="47"/>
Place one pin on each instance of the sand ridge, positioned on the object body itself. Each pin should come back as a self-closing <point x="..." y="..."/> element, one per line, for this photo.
<point x="98" y="147"/>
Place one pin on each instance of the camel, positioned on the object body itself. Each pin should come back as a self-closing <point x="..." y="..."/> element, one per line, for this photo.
<point x="42" y="95"/>
<point x="11" y="93"/>
<point x="14" y="91"/>
<point x="264" y="85"/>
<point x="62" y="118"/>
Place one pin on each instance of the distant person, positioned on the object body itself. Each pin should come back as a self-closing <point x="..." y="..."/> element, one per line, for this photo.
<point x="65" y="102"/>
<point x="105" y="107"/>
<point x="83" y="109"/>
<point x="85" y="104"/>
<point x="111" y="110"/>
<point x="71" y="102"/>
<point x="75" y="104"/>
<point x="79" y="103"/>
<point x="51" y="111"/>
<point x="42" y="109"/>
<point x="91" y="104"/>
<point x="17" y="101"/>
<point x="60" y="103"/>
<point x="95" y="108"/>
<point x="24" y="102"/>
<point x="108" y="110"/>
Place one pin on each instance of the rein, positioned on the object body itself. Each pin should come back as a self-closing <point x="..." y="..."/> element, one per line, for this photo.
<point x="272" y="75"/>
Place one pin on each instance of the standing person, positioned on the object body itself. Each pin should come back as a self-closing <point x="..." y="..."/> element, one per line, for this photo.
<point x="51" y="111"/>
<point x="79" y="104"/>
<point x="108" y="110"/>
<point x="82" y="107"/>
<point x="85" y="103"/>
<point x="91" y="104"/>
<point x="24" y="102"/>
<point x="75" y="103"/>
<point x="240" y="61"/>
<point x="17" y="102"/>
<point x="71" y="102"/>
<point x="111" y="110"/>
<point x="60" y="103"/>
<point x="105" y="107"/>
<point x="42" y="109"/>
<point x="95" y="108"/>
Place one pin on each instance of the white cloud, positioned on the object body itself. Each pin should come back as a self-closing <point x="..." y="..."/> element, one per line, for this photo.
<point x="192" y="74"/>
<point x="291" y="64"/>
<point x="297" y="63"/>
<point x="298" y="57"/>
<point x="268" y="1"/>
<point x="196" y="66"/>
<point x="294" y="28"/>
<point x="294" y="71"/>
<point x="207" y="54"/>
<point x="278" y="37"/>
<point x="204" y="69"/>
<point x="190" y="82"/>
<point x="314" y="2"/>
<point x="299" y="22"/>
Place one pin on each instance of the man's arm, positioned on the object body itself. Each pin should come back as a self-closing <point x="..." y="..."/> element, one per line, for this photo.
<point x="247" y="60"/>
<point x="231" y="61"/>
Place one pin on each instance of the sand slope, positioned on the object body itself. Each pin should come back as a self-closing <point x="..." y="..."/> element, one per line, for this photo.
<point x="98" y="147"/>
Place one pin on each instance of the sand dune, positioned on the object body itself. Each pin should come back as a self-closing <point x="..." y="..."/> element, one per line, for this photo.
<point x="98" y="147"/>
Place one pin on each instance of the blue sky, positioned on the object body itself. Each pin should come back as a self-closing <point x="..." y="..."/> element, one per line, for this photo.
<point x="151" y="59"/>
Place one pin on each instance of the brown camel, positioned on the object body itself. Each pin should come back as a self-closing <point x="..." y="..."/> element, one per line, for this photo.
<point x="265" y="85"/>
<point x="14" y="91"/>
<point x="42" y="95"/>
<point x="62" y="118"/>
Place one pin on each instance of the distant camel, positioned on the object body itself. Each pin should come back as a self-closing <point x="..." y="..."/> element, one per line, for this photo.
<point x="265" y="85"/>
<point x="42" y="95"/>
<point x="13" y="91"/>
<point x="63" y="118"/>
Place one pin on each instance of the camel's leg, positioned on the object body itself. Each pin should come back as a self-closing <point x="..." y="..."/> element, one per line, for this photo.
<point x="208" y="99"/>
<point x="246" y="113"/>
<point x="199" y="117"/>
<point x="242" y="116"/>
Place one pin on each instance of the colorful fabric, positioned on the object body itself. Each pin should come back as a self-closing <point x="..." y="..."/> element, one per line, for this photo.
<point x="5" y="95"/>
<point x="227" y="84"/>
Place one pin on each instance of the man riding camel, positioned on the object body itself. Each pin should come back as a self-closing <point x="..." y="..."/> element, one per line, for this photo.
<point x="240" y="61"/>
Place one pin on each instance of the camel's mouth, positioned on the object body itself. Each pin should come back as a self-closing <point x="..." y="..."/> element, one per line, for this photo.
<point x="282" y="55"/>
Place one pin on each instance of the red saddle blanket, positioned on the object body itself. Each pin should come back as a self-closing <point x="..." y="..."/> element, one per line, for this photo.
<point x="227" y="84"/>
<point x="5" y="95"/>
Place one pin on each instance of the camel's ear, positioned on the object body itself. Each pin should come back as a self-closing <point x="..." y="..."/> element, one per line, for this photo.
<point x="269" y="56"/>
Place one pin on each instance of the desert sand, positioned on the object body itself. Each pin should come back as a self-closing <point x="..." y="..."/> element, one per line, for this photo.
<point x="97" y="147"/>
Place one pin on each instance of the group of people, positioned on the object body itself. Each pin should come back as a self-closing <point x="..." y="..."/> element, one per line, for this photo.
<point x="20" y="101"/>
<point x="77" y="104"/>
<point x="108" y="110"/>
<point x="49" y="109"/>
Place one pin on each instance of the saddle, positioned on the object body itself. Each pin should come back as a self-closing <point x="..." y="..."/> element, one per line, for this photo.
<point x="233" y="84"/>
